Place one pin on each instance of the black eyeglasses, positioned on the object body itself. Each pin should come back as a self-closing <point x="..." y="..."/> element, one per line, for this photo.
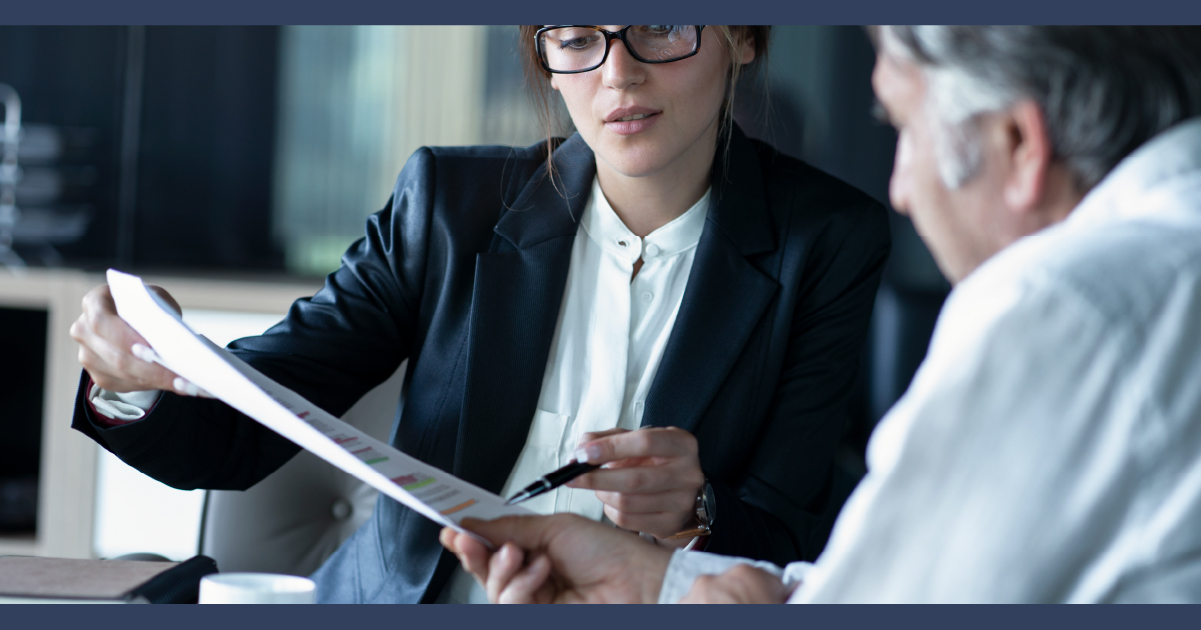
<point x="574" y="49"/>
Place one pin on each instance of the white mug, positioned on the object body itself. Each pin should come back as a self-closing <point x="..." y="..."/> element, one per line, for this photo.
<point x="256" y="588"/>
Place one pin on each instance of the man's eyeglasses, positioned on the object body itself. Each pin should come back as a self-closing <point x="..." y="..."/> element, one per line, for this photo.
<point x="573" y="49"/>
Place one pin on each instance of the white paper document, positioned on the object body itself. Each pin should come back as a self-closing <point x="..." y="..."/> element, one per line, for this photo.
<point x="436" y="494"/>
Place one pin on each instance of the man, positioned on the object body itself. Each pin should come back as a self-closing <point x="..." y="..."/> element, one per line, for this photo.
<point x="1049" y="448"/>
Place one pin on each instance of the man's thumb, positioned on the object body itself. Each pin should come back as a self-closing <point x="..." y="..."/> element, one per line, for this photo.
<point x="527" y="532"/>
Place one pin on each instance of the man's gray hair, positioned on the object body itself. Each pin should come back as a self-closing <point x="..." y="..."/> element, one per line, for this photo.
<point x="1103" y="90"/>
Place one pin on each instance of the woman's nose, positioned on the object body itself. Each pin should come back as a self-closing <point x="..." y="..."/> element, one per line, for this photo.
<point x="620" y="70"/>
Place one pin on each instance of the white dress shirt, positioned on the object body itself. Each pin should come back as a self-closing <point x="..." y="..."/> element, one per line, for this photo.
<point x="608" y="341"/>
<point x="1049" y="447"/>
<point x="605" y="351"/>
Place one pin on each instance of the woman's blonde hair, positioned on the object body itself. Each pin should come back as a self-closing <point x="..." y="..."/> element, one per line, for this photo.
<point x="538" y="79"/>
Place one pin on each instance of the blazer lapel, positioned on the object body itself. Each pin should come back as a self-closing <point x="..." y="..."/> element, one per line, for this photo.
<point x="518" y="292"/>
<point x="725" y="296"/>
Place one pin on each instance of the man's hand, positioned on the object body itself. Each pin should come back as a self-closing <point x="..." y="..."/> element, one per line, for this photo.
<point x="743" y="584"/>
<point x="117" y="357"/>
<point x="561" y="558"/>
<point x="650" y="479"/>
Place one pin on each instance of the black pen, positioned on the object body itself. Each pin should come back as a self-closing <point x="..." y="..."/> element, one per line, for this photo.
<point x="552" y="480"/>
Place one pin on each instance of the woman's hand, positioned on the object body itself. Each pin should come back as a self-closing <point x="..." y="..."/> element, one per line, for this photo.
<point x="650" y="479"/>
<point x="116" y="356"/>
<point x="561" y="558"/>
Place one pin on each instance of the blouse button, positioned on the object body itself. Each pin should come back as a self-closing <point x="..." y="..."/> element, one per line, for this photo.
<point x="647" y="296"/>
<point x="652" y="250"/>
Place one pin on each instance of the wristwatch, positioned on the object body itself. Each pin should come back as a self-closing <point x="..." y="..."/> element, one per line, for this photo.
<point x="706" y="513"/>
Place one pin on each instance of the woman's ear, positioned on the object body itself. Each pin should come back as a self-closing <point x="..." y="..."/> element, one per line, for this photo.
<point x="746" y="46"/>
<point x="553" y="84"/>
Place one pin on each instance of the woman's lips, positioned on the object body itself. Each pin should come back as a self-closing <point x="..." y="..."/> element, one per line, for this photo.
<point x="631" y="127"/>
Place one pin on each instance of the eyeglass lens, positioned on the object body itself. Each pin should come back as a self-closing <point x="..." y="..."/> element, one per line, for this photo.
<point x="571" y="49"/>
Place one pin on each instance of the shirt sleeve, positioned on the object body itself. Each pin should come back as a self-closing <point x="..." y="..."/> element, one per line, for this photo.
<point x="1008" y="468"/>
<point x="117" y="408"/>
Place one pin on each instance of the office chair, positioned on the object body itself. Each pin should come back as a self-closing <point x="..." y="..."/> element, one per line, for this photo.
<point x="294" y="519"/>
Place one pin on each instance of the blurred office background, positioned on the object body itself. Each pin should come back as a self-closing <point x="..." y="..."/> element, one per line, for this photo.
<point x="241" y="161"/>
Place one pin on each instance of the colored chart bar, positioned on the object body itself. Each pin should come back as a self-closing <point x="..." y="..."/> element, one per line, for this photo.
<point x="462" y="506"/>
<point x="420" y="484"/>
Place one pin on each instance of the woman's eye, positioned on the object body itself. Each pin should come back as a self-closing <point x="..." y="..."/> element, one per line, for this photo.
<point x="578" y="43"/>
<point x="576" y="39"/>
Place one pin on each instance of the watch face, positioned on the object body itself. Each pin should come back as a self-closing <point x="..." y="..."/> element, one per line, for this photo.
<point x="710" y="503"/>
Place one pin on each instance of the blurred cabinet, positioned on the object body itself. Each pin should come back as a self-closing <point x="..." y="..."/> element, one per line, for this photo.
<point x="68" y="461"/>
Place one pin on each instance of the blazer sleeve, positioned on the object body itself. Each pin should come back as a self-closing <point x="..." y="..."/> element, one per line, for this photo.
<point x="782" y="507"/>
<point x="331" y="348"/>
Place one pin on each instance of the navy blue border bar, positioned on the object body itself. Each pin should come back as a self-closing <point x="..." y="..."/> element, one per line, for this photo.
<point x="521" y="11"/>
<point x="573" y="618"/>
<point x="595" y="617"/>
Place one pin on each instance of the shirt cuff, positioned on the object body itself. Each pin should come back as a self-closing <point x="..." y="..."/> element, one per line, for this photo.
<point x="119" y="408"/>
<point x="686" y="566"/>
<point x="794" y="574"/>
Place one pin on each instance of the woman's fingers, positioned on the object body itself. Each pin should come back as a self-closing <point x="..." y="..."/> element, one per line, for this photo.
<point x="119" y="372"/>
<point x="166" y="297"/>
<point x="114" y="354"/>
<point x="650" y="477"/>
<point x="665" y="442"/>
<point x="596" y="435"/>
<point x="679" y="476"/>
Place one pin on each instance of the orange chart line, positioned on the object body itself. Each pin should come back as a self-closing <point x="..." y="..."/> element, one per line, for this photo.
<point x="458" y="507"/>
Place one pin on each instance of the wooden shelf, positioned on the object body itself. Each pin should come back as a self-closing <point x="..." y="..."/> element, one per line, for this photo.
<point x="18" y="545"/>
<point x="67" y="480"/>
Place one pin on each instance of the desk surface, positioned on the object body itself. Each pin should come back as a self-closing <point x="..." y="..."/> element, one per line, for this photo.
<point x="64" y="578"/>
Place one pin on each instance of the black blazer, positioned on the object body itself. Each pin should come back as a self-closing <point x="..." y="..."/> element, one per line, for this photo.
<point x="463" y="273"/>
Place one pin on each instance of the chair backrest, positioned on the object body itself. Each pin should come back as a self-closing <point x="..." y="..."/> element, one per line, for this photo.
<point x="294" y="519"/>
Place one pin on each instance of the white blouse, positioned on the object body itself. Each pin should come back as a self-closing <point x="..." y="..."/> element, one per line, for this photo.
<point x="605" y="352"/>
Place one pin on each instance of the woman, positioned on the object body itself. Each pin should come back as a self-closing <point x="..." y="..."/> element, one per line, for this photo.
<point x="655" y="270"/>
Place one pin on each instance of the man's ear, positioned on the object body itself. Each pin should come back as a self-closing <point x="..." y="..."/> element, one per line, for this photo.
<point x="1029" y="149"/>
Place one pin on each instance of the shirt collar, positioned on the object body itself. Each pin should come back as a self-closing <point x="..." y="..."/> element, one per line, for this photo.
<point x="606" y="229"/>
<point x="1173" y="156"/>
